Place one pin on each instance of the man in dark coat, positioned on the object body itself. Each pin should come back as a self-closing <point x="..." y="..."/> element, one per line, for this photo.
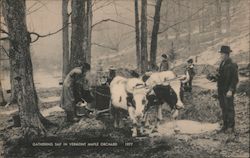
<point x="227" y="79"/>
<point x="74" y="87"/>
<point x="190" y="72"/>
<point x="164" y="66"/>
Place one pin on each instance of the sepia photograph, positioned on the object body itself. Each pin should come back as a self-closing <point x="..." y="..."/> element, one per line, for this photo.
<point x="124" y="78"/>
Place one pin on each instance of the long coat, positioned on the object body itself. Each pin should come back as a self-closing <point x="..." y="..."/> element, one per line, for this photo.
<point x="164" y="66"/>
<point x="227" y="76"/>
<point x="71" y="91"/>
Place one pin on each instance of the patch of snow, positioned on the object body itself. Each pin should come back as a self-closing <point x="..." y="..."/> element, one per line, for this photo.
<point x="186" y="127"/>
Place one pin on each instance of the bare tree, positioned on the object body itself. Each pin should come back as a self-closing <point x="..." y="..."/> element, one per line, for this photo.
<point x="228" y="4"/>
<point x="189" y="8"/>
<point x="144" y="52"/>
<point x="88" y="31"/>
<point x="218" y="16"/>
<point x="154" y="36"/>
<point x="77" y="36"/>
<point x="32" y="121"/>
<point x="137" y="35"/>
<point x="65" y="36"/>
<point x="2" y="100"/>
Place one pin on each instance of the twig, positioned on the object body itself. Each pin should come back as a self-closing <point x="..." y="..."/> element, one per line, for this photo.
<point x="106" y="20"/>
<point x="100" y="45"/>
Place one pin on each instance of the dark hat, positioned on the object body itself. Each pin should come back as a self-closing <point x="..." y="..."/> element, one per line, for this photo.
<point x="112" y="67"/>
<point x="225" y="49"/>
<point x="164" y="56"/>
<point x="190" y="61"/>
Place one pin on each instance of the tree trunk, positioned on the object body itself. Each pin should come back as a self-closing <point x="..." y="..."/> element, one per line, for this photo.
<point x="218" y="16"/>
<point x="144" y="53"/>
<point x="20" y="47"/>
<point x="228" y="4"/>
<point x="137" y="36"/>
<point x="202" y="18"/>
<point x="2" y="100"/>
<point x="65" y="19"/>
<point x="154" y="36"/>
<point x="178" y="26"/>
<point x="13" y="86"/>
<point x="89" y="30"/>
<point x="77" y="54"/>
<point x="189" y="25"/>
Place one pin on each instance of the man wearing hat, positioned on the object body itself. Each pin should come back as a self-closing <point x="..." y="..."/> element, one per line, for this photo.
<point x="227" y="79"/>
<point x="164" y="63"/>
<point x="190" y="73"/>
<point x="75" y="87"/>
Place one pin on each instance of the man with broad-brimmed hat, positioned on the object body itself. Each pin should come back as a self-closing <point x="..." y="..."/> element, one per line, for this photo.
<point x="227" y="79"/>
<point x="164" y="66"/>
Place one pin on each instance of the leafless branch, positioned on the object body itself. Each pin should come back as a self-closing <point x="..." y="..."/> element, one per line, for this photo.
<point x="106" y="20"/>
<point x="100" y="45"/>
<point x="102" y="6"/>
<point x="30" y="12"/>
<point x="49" y="34"/>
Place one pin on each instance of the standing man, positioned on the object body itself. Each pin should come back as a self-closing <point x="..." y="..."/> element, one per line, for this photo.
<point x="190" y="73"/>
<point x="164" y="66"/>
<point x="74" y="87"/>
<point x="227" y="79"/>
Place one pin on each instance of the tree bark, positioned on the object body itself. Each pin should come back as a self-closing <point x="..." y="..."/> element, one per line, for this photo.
<point x="137" y="36"/>
<point x="65" y="19"/>
<point x="154" y="36"/>
<point x="89" y="30"/>
<point x="13" y="86"/>
<point x="77" y="56"/>
<point x="20" y="46"/>
<point x="144" y="53"/>
<point x="2" y="100"/>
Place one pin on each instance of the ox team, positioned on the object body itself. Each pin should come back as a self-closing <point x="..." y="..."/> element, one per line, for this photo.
<point x="138" y="93"/>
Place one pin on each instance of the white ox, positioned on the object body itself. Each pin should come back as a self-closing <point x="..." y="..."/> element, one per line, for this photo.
<point x="130" y="95"/>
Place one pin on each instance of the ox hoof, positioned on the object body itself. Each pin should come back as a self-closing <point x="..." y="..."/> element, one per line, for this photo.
<point x="134" y="133"/>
